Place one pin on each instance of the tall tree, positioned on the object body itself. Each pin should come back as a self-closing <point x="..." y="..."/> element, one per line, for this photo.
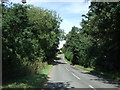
<point x="30" y="36"/>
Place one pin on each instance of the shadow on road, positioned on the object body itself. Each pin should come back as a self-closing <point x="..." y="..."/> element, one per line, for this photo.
<point x="102" y="79"/>
<point x="107" y="81"/>
<point x="98" y="77"/>
<point x="93" y="77"/>
<point x="57" y="61"/>
<point x="58" y="85"/>
<point x="58" y="58"/>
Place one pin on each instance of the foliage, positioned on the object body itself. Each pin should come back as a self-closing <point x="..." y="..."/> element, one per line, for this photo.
<point x="30" y="36"/>
<point x="76" y="47"/>
<point x="69" y="56"/>
<point x="33" y="81"/>
<point x="97" y="44"/>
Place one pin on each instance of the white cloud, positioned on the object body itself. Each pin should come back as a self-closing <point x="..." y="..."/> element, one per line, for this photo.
<point x="75" y="8"/>
<point x="67" y="24"/>
<point x="62" y="43"/>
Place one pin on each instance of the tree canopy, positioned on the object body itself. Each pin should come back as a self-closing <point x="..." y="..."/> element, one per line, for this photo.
<point x="97" y="44"/>
<point x="30" y="35"/>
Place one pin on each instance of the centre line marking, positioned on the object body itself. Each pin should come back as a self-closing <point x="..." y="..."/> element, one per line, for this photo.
<point x="92" y="87"/>
<point x="67" y="69"/>
<point x="75" y="76"/>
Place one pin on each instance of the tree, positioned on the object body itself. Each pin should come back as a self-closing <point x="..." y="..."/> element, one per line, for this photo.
<point x="98" y="40"/>
<point x="30" y="36"/>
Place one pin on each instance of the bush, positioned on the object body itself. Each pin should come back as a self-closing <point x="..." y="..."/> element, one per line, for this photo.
<point x="69" y="56"/>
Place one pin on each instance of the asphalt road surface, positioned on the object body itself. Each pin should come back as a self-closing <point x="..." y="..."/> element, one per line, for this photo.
<point x="64" y="75"/>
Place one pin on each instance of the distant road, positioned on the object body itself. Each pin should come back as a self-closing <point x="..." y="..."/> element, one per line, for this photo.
<point x="64" y="75"/>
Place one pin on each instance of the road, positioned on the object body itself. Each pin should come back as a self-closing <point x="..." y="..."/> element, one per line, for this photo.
<point x="64" y="75"/>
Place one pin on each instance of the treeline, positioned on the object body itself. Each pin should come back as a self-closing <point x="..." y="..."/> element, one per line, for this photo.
<point x="97" y="44"/>
<point x="30" y="37"/>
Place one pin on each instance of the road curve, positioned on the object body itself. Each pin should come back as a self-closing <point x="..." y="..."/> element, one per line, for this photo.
<point x="64" y="75"/>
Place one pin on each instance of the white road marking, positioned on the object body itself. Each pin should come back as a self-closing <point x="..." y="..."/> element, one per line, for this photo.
<point x="67" y="69"/>
<point x="79" y="79"/>
<point x="92" y="87"/>
<point x="75" y="76"/>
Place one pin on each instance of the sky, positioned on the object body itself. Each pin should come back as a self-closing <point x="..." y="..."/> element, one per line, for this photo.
<point x="70" y="11"/>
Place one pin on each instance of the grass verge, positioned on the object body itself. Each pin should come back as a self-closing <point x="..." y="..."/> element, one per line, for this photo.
<point x="83" y="68"/>
<point x="33" y="81"/>
<point x="78" y="66"/>
<point x="67" y="61"/>
<point x="114" y="76"/>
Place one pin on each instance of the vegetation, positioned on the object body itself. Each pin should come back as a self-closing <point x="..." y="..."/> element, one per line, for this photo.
<point x="97" y="44"/>
<point x="30" y="38"/>
<point x="33" y="81"/>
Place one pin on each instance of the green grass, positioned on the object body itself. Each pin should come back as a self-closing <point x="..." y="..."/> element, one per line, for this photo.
<point x="83" y="68"/>
<point x="33" y="81"/>
<point x="78" y="66"/>
<point x="68" y="61"/>
<point x="46" y="70"/>
<point x="112" y="75"/>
